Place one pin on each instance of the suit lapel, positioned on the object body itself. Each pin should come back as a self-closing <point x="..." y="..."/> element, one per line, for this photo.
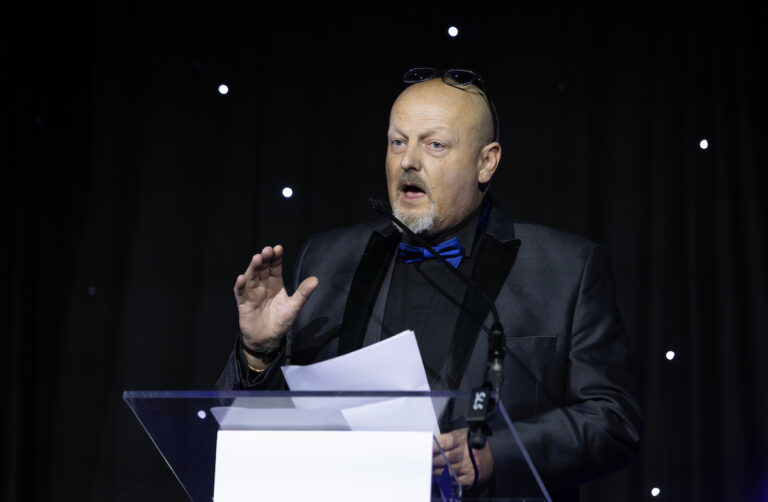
<point x="494" y="263"/>
<point x="497" y="251"/>
<point x="364" y="289"/>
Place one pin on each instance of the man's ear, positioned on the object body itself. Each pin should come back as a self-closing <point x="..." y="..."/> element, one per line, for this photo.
<point x="490" y="156"/>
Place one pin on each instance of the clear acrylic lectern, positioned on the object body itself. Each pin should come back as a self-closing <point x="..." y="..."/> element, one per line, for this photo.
<point x="189" y="428"/>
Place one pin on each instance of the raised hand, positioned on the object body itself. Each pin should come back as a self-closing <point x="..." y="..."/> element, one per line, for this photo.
<point x="265" y="310"/>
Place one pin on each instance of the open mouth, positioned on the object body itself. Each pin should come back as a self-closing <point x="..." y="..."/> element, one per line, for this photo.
<point x="411" y="189"/>
<point x="412" y="192"/>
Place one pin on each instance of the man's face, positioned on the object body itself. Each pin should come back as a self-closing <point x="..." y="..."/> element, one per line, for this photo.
<point x="437" y="153"/>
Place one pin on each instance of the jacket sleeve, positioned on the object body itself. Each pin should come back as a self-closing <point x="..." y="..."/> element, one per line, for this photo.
<point x="237" y="375"/>
<point x="596" y="428"/>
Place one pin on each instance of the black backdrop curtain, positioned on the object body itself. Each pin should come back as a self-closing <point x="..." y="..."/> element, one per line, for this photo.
<point x="133" y="193"/>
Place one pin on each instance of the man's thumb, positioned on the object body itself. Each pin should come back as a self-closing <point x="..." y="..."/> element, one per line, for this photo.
<point x="304" y="290"/>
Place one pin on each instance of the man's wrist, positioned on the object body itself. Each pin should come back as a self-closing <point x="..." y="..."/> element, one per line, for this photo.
<point x="259" y="358"/>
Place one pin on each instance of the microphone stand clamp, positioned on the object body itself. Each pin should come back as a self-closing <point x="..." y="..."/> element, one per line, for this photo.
<point x="484" y="400"/>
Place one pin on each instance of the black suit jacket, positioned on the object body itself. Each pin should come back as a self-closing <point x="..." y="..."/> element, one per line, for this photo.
<point x="568" y="383"/>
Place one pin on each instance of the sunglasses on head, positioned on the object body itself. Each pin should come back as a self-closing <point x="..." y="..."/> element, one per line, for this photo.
<point x="461" y="79"/>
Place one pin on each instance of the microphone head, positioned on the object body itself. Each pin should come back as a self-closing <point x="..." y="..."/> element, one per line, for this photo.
<point x="376" y="203"/>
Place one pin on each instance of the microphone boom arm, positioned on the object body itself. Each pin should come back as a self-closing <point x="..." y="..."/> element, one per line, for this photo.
<point x="484" y="400"/>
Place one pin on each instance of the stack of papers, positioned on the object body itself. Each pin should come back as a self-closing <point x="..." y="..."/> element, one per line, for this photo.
<point x="393" y="364"/>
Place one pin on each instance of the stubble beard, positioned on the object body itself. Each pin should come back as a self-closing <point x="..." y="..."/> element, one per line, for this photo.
<point x="416" y="224"/>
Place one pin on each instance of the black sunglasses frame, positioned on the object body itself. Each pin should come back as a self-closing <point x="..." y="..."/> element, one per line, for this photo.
<point x="449" y="78"/>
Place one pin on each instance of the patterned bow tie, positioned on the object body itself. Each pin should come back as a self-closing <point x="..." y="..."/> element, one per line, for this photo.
<point x="450" y="250"/>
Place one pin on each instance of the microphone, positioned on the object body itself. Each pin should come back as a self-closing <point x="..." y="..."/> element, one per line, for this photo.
<point x="484" y="399"/>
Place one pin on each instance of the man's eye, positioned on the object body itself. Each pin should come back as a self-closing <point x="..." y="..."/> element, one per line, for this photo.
<point x="437" y="145"/>
<point x="397" y="142"/>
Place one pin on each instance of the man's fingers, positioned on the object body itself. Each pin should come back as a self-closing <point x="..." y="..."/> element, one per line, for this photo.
<point x="303" y="291"/>
<point x="272" y="263"/>
<point x="307" y="286"/>
<point x="467" y="479"/>
<point x="267" y="253"/>
<point x="268" y="263"/>
<point x="456" y="450"/>
<point x="239" y="287"/>
<point x="451" y="440"/>
<point x="252" y="271"/>
<point x="465" y="472"/>
<point x="454" y="457"/>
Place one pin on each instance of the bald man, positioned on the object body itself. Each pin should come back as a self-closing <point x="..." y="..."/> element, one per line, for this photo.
<point x="568" y="383"/>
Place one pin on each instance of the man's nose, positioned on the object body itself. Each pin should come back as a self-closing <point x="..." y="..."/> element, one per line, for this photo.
<point x="411" y="159"/>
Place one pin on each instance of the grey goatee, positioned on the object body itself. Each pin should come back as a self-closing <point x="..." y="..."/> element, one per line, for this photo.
<point x="416" y="224"/>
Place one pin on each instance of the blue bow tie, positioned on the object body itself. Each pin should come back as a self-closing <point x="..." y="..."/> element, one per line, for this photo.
<point x="450" y="250"/>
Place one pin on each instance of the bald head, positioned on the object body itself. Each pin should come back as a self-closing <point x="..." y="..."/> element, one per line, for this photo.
<point x="441" y="154"/>
<point x="467" y="106"/>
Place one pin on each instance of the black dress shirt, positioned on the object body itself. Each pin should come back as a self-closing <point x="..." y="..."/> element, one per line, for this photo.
<point x="426" y="297"/>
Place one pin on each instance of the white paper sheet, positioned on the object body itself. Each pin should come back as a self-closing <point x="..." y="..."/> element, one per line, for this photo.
<point x="393" y="364"/>
<point x="399" y="414"/>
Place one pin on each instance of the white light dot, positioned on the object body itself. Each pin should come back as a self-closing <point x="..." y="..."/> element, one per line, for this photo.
<point x="201" y="414"/>
<point x="223" y="89"/>
<point x="704" y="144"/>
<point x="670" y="355"/>
<point x="453" y="31"/>
<point x="287" y="192"/>
<point x="655" y="492"/>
